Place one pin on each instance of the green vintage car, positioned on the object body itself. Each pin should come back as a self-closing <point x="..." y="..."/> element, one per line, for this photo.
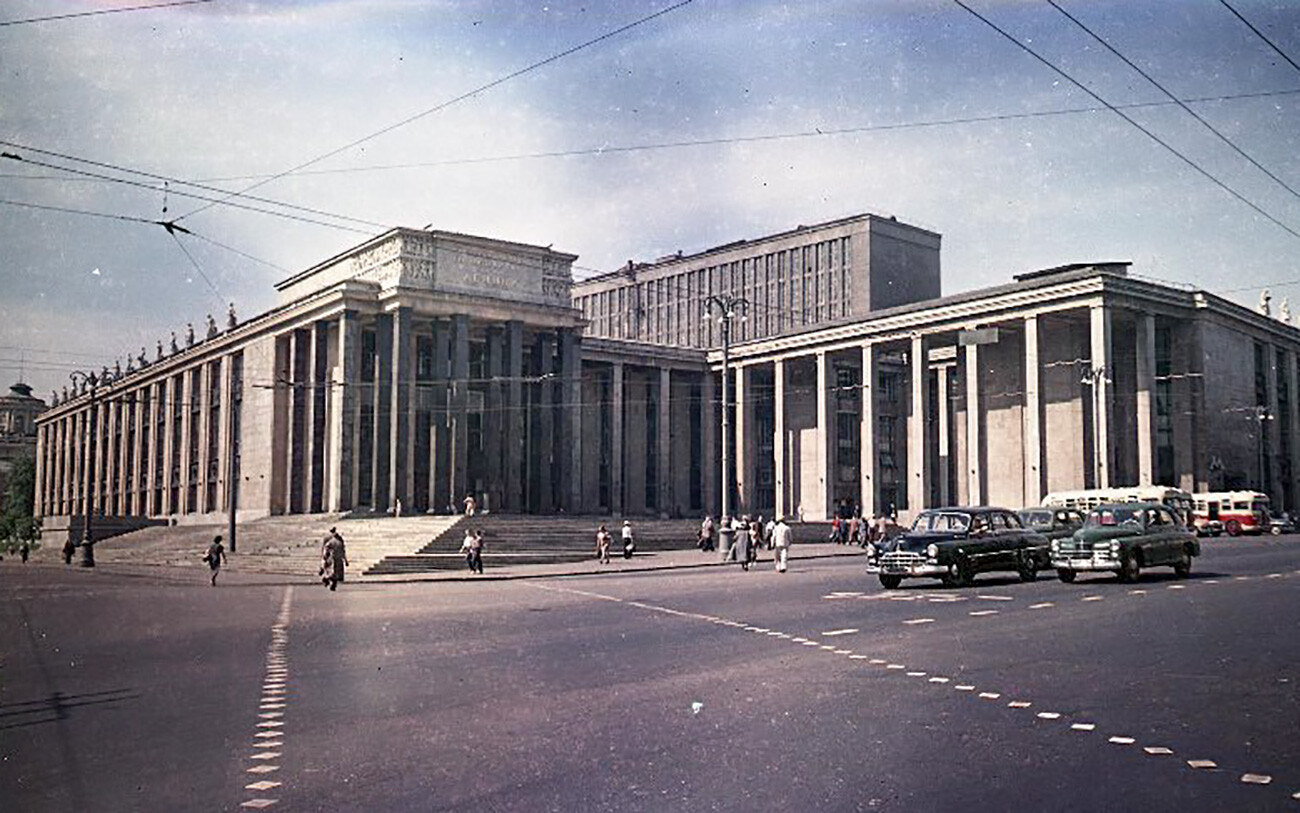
<point x="1124" y="538"/>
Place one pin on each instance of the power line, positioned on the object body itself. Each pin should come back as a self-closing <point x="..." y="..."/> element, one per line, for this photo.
<point x="1185" y="108"/>
<point x="1260" y="34"/>
<point x="102" y="11"/>
<point x="444" y="105"/>
<point x="1189" y="162"/>
<point x="819" y="132"/>
<point x="220" y="299"/>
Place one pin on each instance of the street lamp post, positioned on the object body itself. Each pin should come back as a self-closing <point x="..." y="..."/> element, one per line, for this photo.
<point x="1260" y="414"/>
<point x="88" y="538"/>
<point x="1095" y="377"/>
<point x="728" y="307"/>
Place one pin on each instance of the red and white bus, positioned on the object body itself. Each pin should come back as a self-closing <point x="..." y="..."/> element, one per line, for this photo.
<point x="1178" y="501"/>
<point x="1241" y="512"/>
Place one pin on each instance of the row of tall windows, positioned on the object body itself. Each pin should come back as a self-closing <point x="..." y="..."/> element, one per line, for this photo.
<point x="785" y="289"/>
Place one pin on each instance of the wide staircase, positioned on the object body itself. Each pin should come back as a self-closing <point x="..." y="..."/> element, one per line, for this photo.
<point x="278" y="545"/>
<point x="514" y="539"/>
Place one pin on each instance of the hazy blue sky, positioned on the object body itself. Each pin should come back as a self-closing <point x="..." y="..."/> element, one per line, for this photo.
<point x="231" y="89"/>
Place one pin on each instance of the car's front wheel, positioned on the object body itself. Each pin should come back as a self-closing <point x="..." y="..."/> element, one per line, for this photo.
<point x="1129" y="567"/>
<point x="890" y="582"/>
<point x="1233" y="527"/>
<point x="1183" y="567"/>
<point x="1027" y="568"/>
<point x="1065" y="575"/>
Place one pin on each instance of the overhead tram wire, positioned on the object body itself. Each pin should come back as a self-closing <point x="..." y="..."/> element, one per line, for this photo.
<point x="1189" y="162"/>
<point x="221" y="300"/>
<point x="820" y="132"/>
<point x="1260" y="34"/>
<point x="444" y="105"/>
<point x="1175" y="99"/>
<point x="54" y="17"/>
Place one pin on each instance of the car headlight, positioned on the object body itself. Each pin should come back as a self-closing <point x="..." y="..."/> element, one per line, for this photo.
<point x="1056" y="546"/>
<point x="1114" y="545"/>
<point x="932" y="551"/>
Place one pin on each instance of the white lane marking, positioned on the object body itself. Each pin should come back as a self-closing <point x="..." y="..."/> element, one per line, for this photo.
<point x="1137" y="592"/>
<point x="1019" y="704"/>
<point x="258" y="803"/>
<point x="1158" y="750"/>
<point x="263" y="784"/>
<point x="848" y="631"/>
<point x="964" y="688"/>
<point x="904" y="598"/>
<point x="268" y="744"/>
<point x="1210" y="581"/>
<point x="1083" y="726"/>
<point x="938" y="680"/>
<point x="990" y="695"/>
<point x="798" y="640"/>
<point x="1041" y="605"/>
<point x="270" y="715"/>
<point x="843" y="652"/>
<point x="1092" y="598"/>
<point x="1270" y="576"/>
<point x="774" y="633"/>
<point x="844" y="593"/>
<point x="811" y="643"/>
<point x="982" y="612"/>
<point x="783" y="635"/>
<point x="269" y="734"/>
<point x="858" y="657"/>
<point x="1256" y="778"/>
<point x="916" y="674"/>
<point x="754" y="629"/>
<point x="272" y="706"/>
<point x="919" y="621"/>
<point x="1204" y="764"/>
<point x="272" y="700"/>
<point x="895" y="666"/>
<point x="830" y="647"/>
<point x="945" y="600"/>
<point x="265" y="755"/>
<point x="996" y="598"/>
<point x="876" y="661"/>
<point x="270" y="724"/>
<point x="1176" y="587"/>
<point x="1049" y="715"/>
<point x="1122" y="740"/>
<point x="263" y="769"/>
<point x="1240" y="578"/>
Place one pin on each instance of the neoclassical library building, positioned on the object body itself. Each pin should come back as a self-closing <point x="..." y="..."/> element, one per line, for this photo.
<point x="423" y="366"/>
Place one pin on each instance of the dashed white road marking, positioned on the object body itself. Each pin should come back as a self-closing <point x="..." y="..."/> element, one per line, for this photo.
<point x="995" y="598"/>
<point x="258" y="803"/>
<point x="916" y="674"/>
<point x="1177" y="587"/>
<point x="1210" y="581"/>
<point x="1137" y="592"/>
<point x="876" y="661"/>
<point x="264" y="784"/>
<point x="1203" y="764"/>
<point x="798" y="640"/>
<point x="269" y="709"/>
<point x="990" y="695"/>
<point x="1269" y="576"/>
<point x="269" y="734"/>
<point x="1042" y="605"/>
<point x="830" y="647"/>
<point x="964" y="688"/>
<point x="1092" y="598"/>
<point x="263" y="769"/>
<point x="1158" y="750"/>
<point x="1256" y="778"/>
<point x="1049" y="715"/>
<point x="1083" y="726"/>
<point x="982" y="612"/>
<point x="1019" y="704"/>
<point x="843" y="652"/>
<point x="895" y="666"/>
<point x="811" y="643"/>
<point x="919" y="621"/>
<point x="832" y="633"/>
<point x="1122" y="740"/>
<point x="937" y="679"/>
<point x="858" y="657"/>
<point x="265" y="755"/>
<point x="268" y="744"/>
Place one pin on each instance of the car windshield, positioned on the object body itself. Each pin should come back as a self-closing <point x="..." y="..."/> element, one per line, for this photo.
<point x="941" y="521"/>
<point x="1036" y="519"/>
<point x="1110" y="517"/>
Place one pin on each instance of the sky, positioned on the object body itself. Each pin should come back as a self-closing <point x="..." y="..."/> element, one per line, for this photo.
<point x="715" y="120"/>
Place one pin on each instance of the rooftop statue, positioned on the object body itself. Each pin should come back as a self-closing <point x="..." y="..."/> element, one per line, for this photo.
<point x="189" y="334"/>
<point x="231" y="321"/>
<point x="1284" y="312"/>
<point x="141" y="360"/>
<point x="160" y="351"/>
<point x="212" y="327"/>
<point x="1265" y="298"/>
<point x="175" y="349"/>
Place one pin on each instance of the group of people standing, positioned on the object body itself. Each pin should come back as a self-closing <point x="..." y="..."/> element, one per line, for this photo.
<point x="747" y="537"/>
<point x="858" y="530"/>
<point x="472" y="547"/>
<point x="605" y="540"/>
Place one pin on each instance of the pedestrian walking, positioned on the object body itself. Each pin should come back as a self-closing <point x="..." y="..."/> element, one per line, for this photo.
<point x="476" y="553"/>
<point x="24" y="550"/>
<point x="629" y="543"/>
<point x="68" y="549"/>
<point x="782" y="536"/>
<point x="334" y="559"/>
<point x="467" y="548"/>
<point x="755" y="538"/>
<point x="215" y="556"/>
<point x="471" y="505"/>
<point x="740" y="544"/>
<point x="706" y="534"/>
<point x="603" y="540"/>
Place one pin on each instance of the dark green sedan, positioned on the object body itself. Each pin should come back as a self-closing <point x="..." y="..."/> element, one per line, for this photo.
<point x="1124" y="538"/>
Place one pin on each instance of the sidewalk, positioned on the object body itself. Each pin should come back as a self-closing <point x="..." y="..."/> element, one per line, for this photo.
<point x="233" y="574"/>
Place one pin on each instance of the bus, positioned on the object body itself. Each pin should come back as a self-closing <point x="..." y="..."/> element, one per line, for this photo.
<point x="1179" y="501"/>
<point x="1241" y="512"/>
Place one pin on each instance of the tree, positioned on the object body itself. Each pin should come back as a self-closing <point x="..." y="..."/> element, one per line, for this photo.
<point x="17" y="523"/>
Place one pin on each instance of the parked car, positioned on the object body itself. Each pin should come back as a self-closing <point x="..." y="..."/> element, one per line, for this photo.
<point x="955" y="544"/>
<point x="1124" y="538"/>
<point x="1280" y="524"/>
<point x="1053" y="523"/>
<point x="1208" y="527"/>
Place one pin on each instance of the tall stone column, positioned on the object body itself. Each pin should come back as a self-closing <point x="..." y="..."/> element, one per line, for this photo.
<point x="514" y="437"/>
<point x="781" y="506"/>
<point x="344" y="437"/>
<point x="825" y="435"/>
<point x="918" y="472"/>
<point x="665" y="468"/>
<point x="1103" y="397"/>
<point x="1032" y="415"/>
<point x="744" y="455"/>
<point x="571" y="420"/>
<point x="322" y="396"/>
<point x="493" y="420"/>
<point x="544" y="452"/>
<point x="1145" y="397"/>
<point x="1270" y="428"/>
<point x="298" y="483"/>
<point x="616" y="441"/>
<point x="459" y="406"/>
<point x="441" y="496"/>
<point x="974" y="428"/>
<point x="1288" y="375"/>
<point x="401" y="477"/>
<point x="382" y="493"/>
<point x="867" y="433"/>
<point x="709" y="442"/>
<point x="943" y="464"/>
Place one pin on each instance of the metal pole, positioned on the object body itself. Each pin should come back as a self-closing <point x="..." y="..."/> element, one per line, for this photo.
<point x="724" y="532"/>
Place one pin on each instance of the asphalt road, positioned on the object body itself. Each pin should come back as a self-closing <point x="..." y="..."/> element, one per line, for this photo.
<point x="677" y="690"/>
